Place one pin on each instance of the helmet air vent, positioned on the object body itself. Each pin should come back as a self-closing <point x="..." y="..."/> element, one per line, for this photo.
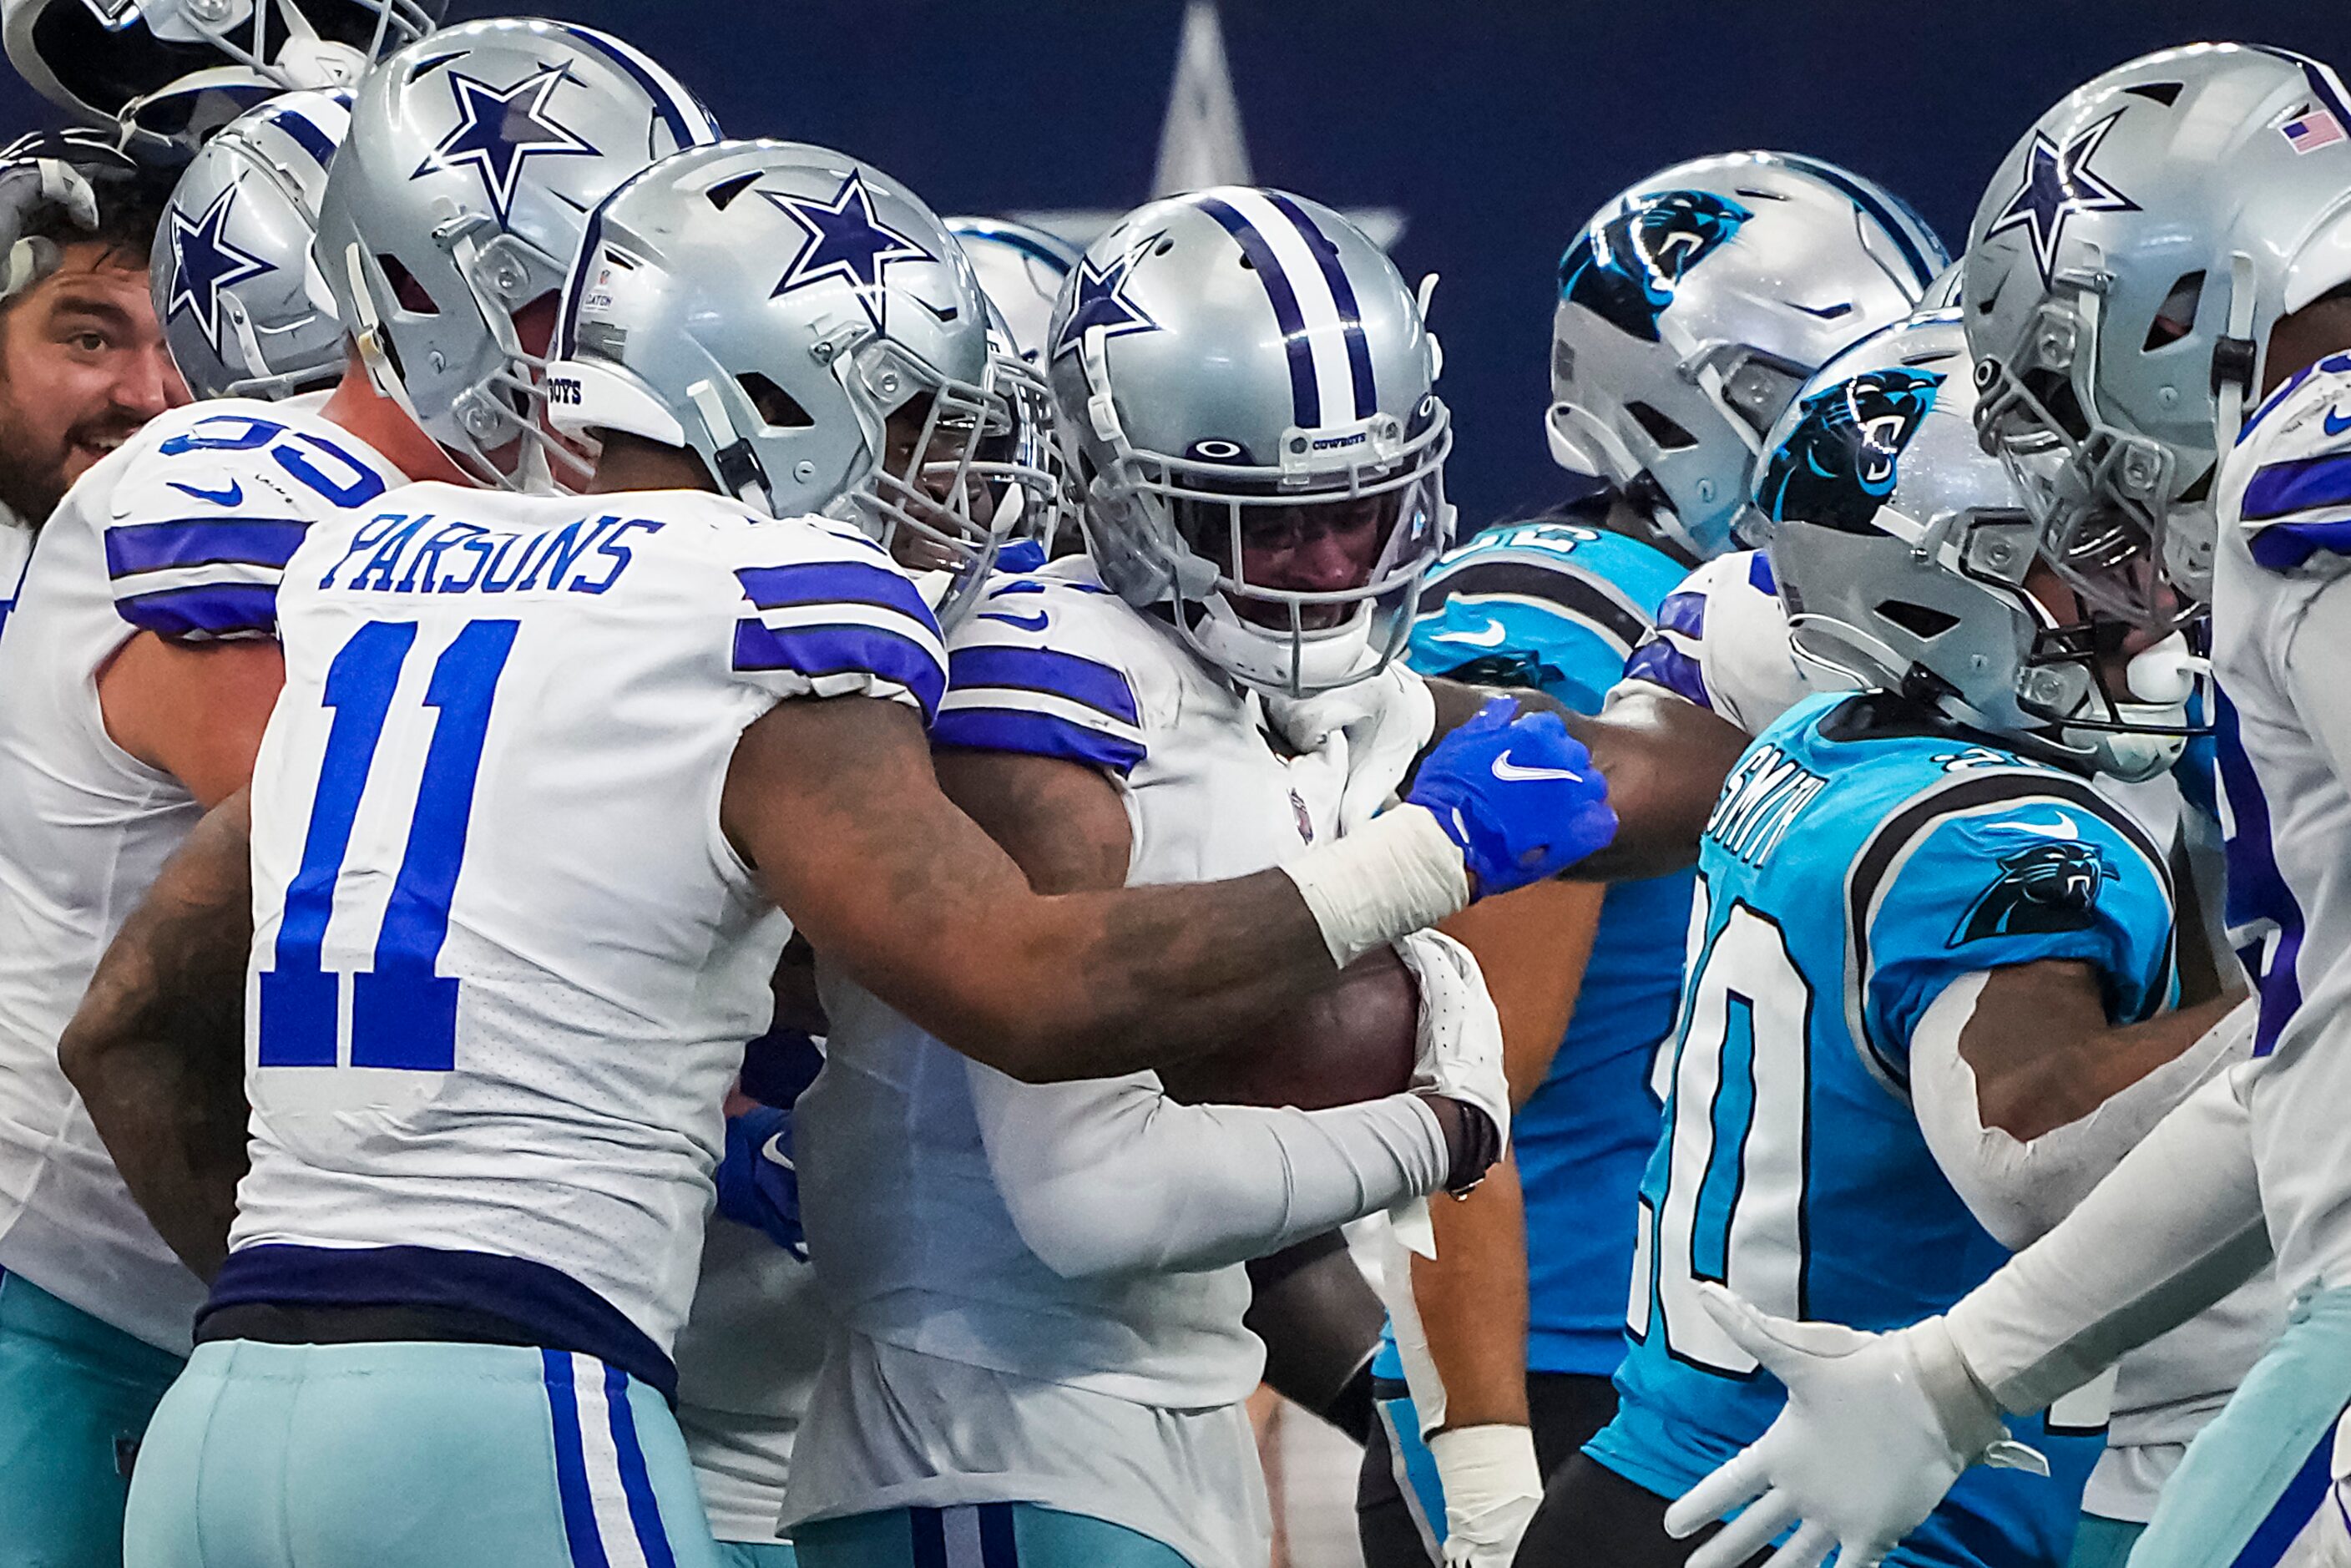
<point x="2176" y="318"/>
<point x="2166" y="93"/>
<point x="722" y="195"/>
<point x="779" y="410"/>
<point x="1923" y="621"/>
<point x="1662" y="430"/>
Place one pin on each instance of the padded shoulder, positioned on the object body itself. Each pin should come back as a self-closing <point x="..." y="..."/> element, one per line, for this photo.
<point x="1054" y="665"/>
<point x="2287" y="483"/>
<point x="822" y="610"/>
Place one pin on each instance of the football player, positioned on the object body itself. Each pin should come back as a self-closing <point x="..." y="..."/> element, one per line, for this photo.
<point x="1842" y="1095"/>
<point x="547" y="774"/>
<point x="1663" y="395"/>
<point x="2119" y="395"/>
<point x="82" y="366"/>
<point x="144" y="667"/>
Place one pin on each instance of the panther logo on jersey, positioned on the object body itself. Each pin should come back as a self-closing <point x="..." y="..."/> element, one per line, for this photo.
<point x="2047" y="888"/>
<point x="1625" y="270"/>
<point x="1844" y="456"/>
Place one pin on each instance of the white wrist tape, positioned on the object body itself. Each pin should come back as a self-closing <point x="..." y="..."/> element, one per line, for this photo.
<point x="1394" y="876"/>
<point x="1486" y="1470"/>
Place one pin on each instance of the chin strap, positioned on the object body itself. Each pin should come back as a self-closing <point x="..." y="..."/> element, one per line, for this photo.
<point x="738" y="467"/>
<point x="2236" y="358"/>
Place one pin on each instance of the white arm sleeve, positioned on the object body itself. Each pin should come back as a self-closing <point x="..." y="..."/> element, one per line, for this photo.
<point x="2176" y="1227"/>
<point x="2017" y="1190"/>
<point x="1109" y="1176"/>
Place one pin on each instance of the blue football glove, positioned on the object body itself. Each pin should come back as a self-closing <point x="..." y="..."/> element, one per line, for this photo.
<point x="1519" y="795"/>
<point x="757" y="1184"/>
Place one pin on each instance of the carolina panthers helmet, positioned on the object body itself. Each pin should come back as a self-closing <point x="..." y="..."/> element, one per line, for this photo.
<point x="807" y="327"/>
<point x="243" y="305"/>
<point x="452" y="214"/>
<point x="2123" y="273"/>
<point x="1693" y="304"/>
<point x="1222" y="361"/>
<point x="1020" y="269"/>
<point x="170" y="72"/>
<point x="1901" y="554"/>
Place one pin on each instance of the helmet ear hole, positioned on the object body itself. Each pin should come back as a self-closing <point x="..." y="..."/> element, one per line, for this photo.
<point x="1923" y="621"/>
<point x="779" y="410"/>
<point x="1669" y="435"/>
<point x="2176" y="318"/>
<point x="405" y="288"/>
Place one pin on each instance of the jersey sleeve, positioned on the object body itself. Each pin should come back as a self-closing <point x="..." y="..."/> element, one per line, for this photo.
<point x="826" y="614"/>
<point x="1045" y="667"/>
<point x="1991" y="874"/>
<point x="2287" y="485"/>
<point x="1721" y="641"/>
<point x="196" y="539"/>
<point x="1507" y="614"/>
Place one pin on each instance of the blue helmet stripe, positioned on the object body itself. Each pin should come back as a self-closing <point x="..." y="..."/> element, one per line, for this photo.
<point x="688" y="122"/>
<point x="1305" y="396"/>
<point x="1907" y="228"/>
<point x="306" y="134"/>
<point x="1343" y="294"/>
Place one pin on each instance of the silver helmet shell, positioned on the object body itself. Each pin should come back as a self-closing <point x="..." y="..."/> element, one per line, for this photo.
<point x="1693" y="306"/>
<point x="243" y="305"/>
<point x="2123" y="273"/>
<point x="1220" y="360"/>
<point x="172" y="72"/>
<point x="1901" y="554"/>
<point x="770" y="305"/>
<point x="457" y="204"/>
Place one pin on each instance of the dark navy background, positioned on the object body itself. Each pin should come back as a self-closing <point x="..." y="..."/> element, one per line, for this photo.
<point x="1495" y="128"/>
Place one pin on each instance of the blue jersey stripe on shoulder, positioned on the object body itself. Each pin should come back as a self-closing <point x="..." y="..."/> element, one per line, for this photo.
<point x="2285" y="546"/>
<point x="837" y="650"/>
<point x="1035" y="735"/>
<point x="206" y="610"/>
<point x="202" y="541"/>
<point x="2301" y="484"/>
<point x="832" y="582"/>
<point x="1759" y="573"/>
<point x="1100" y="686"/>
<point x="1683" y="612"/>
<point x="1661" y="663"/>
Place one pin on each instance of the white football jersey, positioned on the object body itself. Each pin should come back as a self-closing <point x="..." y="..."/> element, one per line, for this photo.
<point x="1721" y="641"/>
<point x="1114" y="1396"/>
<point x="182" y="532"/>
<point x="15" y="553"/>
<point x="505" y="959"/>
<point x="2282" y="590"/>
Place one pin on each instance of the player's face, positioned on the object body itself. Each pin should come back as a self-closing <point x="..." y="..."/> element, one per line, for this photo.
<point x="82" y="366"/>
<point x="2117" y="642"/>
<point x="1327" y="548"/>
<point x="928" y="453"/>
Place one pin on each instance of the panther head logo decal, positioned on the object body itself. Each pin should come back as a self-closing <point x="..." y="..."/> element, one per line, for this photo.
<point x="2049" y="887"/>
<point x="1625" y="270"/>
<point x="1843" y="458"/>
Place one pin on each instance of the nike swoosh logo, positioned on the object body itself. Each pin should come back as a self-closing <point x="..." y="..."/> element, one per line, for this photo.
<point x="1489" y="637"/>
<point x="2063" y="830"/>
<point x="232" y="496"/>
<point x="2336" y="426"/>
<point x="1510" y="772"/>
<point x="774" y="1152"/>
<point x="1026" y="622"/>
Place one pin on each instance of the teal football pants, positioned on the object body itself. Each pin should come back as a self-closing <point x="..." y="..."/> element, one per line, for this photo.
<point x="411" y="1456"/>
<point x="75" y="1398"/>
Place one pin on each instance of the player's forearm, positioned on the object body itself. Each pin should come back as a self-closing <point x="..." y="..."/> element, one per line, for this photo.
<point x="1112" y="1177"/>
<point x="1665" y="760"/>
<point x="1472" y="1298"/>
<point x="157" y="1048"/>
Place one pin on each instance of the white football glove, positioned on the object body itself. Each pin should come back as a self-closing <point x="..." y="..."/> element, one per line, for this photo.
<point x="1460" y="1032"/>
<point x="1492" y="1488"/>
<point x="52" y="169"/>
<point x="1876" y="1428"/>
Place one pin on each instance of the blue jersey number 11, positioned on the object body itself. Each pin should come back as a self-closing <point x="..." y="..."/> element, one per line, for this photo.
<point x="404" y="1015"/>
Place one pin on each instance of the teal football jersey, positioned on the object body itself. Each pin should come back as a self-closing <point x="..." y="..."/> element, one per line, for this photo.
<point x="1862" y="856"/>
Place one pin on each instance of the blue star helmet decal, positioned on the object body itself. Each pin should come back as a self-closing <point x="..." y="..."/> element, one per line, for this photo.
<point x="203" y="262"/>
<point x="846" y="242"/>
<point x="1842" y="459"/>
<point x="1101" y="302"/>
<point x="503" y="128"/>
<point x="1625" y="270"/>
<point x="2058" y="183"/>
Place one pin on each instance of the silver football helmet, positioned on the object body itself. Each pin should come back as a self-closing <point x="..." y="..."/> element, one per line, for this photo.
<point x="452" y="213"/>
<point x="807" y="328"/>
<point x="243" y="305"/>
<point x="1693" y="304"/>
<point x="2123" y="274"/>
<point x="170" y="72"/>
<point x="1902" y="552"/>
<point x="1236" y="367"/>
<point x="1020" y="269"/>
